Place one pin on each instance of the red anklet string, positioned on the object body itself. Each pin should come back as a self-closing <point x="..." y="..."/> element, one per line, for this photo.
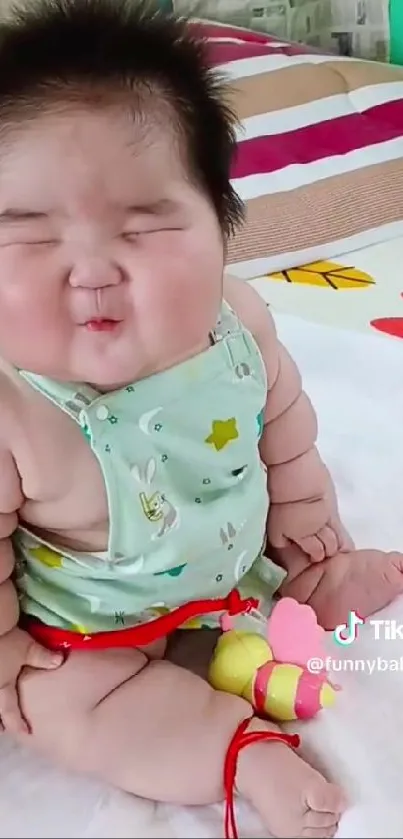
<point x="241" y="739"/>
<point x="137" y="636"/>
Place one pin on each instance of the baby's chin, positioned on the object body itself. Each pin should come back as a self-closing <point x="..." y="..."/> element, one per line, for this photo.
<point x="111" y="367"/>
<point x="105" y="380"/>
<point x="101" y="376"/>
<point x="102" y="372"/>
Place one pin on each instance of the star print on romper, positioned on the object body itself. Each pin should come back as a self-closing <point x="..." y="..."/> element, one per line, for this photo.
<point x="223" y="431"/>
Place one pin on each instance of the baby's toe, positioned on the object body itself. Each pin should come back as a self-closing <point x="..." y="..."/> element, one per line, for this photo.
<point x="319" y="832"/>
<point x="325" y="803"/>
<point x="386" y="577"/>
<point x="394" y="565"/>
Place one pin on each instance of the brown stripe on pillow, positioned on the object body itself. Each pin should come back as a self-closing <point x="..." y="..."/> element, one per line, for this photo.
<point x="326" y="211"/>
<point x="303" y="83"/>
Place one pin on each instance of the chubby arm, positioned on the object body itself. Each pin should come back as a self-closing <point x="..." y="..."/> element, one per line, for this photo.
<point x="302" y="499"/>
<point x="17" y="648"/>
<point x="10" y="502"/>
<point x="296" y="472"/>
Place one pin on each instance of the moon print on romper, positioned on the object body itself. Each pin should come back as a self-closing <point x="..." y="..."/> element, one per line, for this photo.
<point x="129" y="567"/>
<point x="146" y="420"/>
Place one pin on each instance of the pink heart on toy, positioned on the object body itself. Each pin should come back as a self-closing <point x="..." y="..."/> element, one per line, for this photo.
<point x="294" y="634"/>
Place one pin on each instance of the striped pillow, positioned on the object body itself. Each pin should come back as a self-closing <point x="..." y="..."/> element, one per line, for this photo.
<point x="320" y="155"/>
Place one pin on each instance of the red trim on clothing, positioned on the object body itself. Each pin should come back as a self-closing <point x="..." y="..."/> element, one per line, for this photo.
<point x="138" y="636"/>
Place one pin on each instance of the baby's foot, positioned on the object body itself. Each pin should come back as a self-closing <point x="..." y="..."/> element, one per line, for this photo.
<point x="364" y="581"/>
<point x="292" y="798"/>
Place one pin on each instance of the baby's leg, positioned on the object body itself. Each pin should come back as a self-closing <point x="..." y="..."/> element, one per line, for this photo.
<point x="161" y="732"/>
<point x="362" y="581"/>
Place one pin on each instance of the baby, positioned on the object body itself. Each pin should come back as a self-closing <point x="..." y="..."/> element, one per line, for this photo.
<point x="158" y="459"/>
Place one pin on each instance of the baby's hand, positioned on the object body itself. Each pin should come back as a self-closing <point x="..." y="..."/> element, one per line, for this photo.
<point x="310" y="525"/>
<point x="18" y="650"/>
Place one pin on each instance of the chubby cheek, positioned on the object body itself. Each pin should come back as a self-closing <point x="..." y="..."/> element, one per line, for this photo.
<point x="29" y="315"/>
<point x="184" y="289"/>
<point x="28" y="337"/>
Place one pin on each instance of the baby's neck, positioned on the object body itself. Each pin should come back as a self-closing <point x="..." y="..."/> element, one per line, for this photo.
<point x="202" y="347"/>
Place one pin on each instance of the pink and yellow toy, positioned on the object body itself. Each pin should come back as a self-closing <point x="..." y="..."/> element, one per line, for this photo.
<point x="284" y="675"/>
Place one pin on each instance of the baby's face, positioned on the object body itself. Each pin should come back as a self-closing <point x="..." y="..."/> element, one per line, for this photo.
<point x="111" y="260"/>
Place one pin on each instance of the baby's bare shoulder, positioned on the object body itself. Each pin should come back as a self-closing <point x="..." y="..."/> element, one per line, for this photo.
<point x="12" y="408"/>
<point x="256" y="317"/>
<point x="11" y="430"/>
<point x="250" y="307"/>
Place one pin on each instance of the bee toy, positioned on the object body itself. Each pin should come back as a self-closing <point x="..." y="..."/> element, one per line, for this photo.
<point x="282" y="675"/>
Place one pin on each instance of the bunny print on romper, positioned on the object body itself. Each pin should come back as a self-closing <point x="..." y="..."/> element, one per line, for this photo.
<point x="155" y="505"/>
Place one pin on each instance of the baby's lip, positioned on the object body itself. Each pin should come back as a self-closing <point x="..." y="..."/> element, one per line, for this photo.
<point x="101" y="317"/>
<point x="106" y="305"/>
<point x="89" y="317"/>
<point x="102" y="324"/>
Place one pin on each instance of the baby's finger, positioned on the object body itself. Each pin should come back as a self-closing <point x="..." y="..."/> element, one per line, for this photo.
<point x="10" y="714"/>
<point x="329" y="539"/>
<point x="313" y="547"/>
<point x="41" y="658"/>
<point x="344" y="539"/>
<point x="277" y="540"/>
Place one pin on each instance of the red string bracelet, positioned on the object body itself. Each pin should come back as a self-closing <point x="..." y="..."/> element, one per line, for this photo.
<point x="240" y="740"/>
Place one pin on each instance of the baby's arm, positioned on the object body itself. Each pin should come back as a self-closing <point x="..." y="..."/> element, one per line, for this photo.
<point x="302" y="499"/>
<point x="17" y="648"/>
<point x="10" y="500"/>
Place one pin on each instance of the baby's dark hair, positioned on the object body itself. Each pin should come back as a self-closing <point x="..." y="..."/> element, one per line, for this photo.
<point x="57" y="51"/>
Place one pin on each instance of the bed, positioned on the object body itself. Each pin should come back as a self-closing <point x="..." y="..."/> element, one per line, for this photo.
<point x="320" y="166"/>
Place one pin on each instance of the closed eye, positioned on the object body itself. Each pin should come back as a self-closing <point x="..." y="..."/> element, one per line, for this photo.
<point x="38" y="243"/>
<point x="132" y="235"/>
<point x="41" y="242"/>
<point x="32" y="243"/>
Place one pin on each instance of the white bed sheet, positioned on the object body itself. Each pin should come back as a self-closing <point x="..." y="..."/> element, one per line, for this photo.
<point x="356" y="383"/>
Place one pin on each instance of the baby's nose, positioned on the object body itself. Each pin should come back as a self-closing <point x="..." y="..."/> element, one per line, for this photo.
<point x="95" y="273"/>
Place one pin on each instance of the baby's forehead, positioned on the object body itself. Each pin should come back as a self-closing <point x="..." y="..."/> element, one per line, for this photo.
<point x="106" y="154"/>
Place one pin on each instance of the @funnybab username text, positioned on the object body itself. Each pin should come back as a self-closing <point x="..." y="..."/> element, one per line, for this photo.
<point x="329" y="664"/>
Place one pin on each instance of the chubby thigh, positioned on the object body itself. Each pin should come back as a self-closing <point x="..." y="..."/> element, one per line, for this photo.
<point x="57" y="704"/>
<point x="87" y="678"/>
<point x="120" y="715"/>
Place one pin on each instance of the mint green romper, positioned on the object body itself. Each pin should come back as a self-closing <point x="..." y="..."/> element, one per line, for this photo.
<point x="186" y="490"/>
